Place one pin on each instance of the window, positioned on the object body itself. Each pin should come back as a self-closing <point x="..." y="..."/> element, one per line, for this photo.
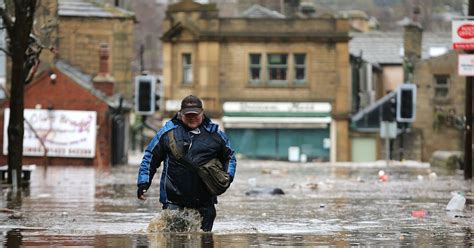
<point x="300" y="68"/>
<point x="187" y="69"/>
<point x="441" y="86"/>
<point x="255" y="68"/>
<point x="277" y="68"/>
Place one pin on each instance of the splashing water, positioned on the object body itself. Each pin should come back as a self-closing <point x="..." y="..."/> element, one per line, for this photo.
<point x="187" y="220"/>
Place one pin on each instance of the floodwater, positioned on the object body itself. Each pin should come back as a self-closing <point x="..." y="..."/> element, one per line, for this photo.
<point x="323" y="205"/>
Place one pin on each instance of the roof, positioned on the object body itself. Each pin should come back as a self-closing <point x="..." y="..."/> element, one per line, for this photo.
<point x="191" y="6"/>
<point x="258" y="11"/>
<point x="85" y="80"/>
<point x="387" y="47"/>
<point x="86" y="8"/>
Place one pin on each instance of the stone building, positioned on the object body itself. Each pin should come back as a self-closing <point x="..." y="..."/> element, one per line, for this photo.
<point x="379" y="67"/>
<point x="274" y="83"/>
<point x="76" y="28"/>
<point x="440" y="107"/>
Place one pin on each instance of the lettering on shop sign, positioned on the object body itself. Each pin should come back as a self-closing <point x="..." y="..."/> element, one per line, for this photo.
<point x="296" y="107"/>
<point x="65" y="133"/>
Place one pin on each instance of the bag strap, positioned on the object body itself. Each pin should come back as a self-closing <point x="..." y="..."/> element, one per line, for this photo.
<point x="177" y="152"/>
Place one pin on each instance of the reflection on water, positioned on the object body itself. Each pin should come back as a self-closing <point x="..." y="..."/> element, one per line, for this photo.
<point x="322" y="205"/>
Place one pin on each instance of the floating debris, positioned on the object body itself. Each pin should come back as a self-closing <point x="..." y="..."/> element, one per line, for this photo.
<point x="419" y="213"/>
<point x="265" y="191"/>
<point x="383" y="177"/>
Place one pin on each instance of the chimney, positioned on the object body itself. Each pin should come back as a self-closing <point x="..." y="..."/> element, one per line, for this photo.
<point x="412" y="37"/>
<point x="412" y="43"/>
<point x="290" y="8"/>
<point x="104" y="81"/>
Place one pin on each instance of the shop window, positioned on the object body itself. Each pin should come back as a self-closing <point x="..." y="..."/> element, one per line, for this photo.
<point x="300" y="68"/>
<point x="277" y="69"/>
<point x="441" y="87"/>
<point x="187" y="69"/>
<point x="255" y="68"/>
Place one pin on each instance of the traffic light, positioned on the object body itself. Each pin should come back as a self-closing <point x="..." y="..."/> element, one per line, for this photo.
<point x="389" y="109"/>
<point x="145" y="86"/>
<point x="406" y="103"/>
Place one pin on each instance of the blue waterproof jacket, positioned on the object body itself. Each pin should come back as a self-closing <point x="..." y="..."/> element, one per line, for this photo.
<point x="179" y="184"/>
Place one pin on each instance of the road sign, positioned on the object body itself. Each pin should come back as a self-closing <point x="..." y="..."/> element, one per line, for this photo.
<point x="466" y="64"/>
<point x="388" y="130"/>
<point x="463" y="34"/>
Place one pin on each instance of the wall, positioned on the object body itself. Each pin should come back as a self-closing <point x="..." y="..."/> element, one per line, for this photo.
<point x="67" y="95"/>
<point x="79" y="41"/>
<point x="429" y="109"/>
<point x="392" y="77"/>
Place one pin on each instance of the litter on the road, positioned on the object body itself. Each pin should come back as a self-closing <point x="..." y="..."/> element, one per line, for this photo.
<point x="419" y="213"/>
<point x="456" y="203"/>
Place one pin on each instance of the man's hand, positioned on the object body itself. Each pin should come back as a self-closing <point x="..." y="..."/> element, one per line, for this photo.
<point x="142" y="189"/>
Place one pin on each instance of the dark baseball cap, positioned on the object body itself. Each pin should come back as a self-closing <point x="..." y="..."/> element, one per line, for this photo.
<point x="191" y="104"/>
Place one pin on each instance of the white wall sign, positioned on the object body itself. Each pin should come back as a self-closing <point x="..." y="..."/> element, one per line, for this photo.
<point x="66" y="133"/>
<point x="281" y="107"/>
<point x="466" y="64"/>
<point x="463" y="34"/>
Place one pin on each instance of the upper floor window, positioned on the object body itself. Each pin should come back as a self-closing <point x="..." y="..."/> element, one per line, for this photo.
<point x="277" y="68"/>
<point x="255" y="68"/>
<point x="441" y="86"/>
<point x="300" y="68"/>
<point x="187" y="69"/>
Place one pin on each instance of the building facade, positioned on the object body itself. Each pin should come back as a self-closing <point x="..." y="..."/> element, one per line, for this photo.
<point x="273" y="83"/>
<point x="381" y="62"/>
<point x="74" y="116"/>
<point x="440" y="108"/>
<point x="77" y="28"/>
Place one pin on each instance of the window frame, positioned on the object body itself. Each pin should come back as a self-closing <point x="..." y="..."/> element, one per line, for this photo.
<point x="187" y="69"/>
<point x="299" y="82"/>
<point x="437" y="86"/>
<point x="277" y="82"/>
<point x="255" y="66"/>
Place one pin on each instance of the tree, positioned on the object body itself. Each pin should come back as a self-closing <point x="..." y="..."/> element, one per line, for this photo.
<point x="18" y="17"/>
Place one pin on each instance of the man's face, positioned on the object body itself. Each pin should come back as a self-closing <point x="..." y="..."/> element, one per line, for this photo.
<point x="192" y="120"/>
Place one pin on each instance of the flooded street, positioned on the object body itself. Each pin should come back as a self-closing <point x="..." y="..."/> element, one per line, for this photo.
<point x="323" y="204"/>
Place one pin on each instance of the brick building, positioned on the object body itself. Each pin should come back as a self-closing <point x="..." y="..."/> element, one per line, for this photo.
<point x="272" y="82"/>
<point x="75" y="116"/>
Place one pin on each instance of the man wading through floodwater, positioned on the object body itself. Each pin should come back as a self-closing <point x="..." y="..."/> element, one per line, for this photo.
<point x="193" y="150"/>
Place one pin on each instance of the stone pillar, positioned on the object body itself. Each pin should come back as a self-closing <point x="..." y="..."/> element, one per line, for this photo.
<point x="341" y="106"/>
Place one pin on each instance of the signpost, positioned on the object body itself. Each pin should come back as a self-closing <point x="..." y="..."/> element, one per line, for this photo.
<point x="463" y="38"/>
<point x="388" y="130"/>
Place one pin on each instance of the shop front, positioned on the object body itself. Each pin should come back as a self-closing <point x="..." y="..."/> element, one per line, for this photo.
<point x="279" y="130"/>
